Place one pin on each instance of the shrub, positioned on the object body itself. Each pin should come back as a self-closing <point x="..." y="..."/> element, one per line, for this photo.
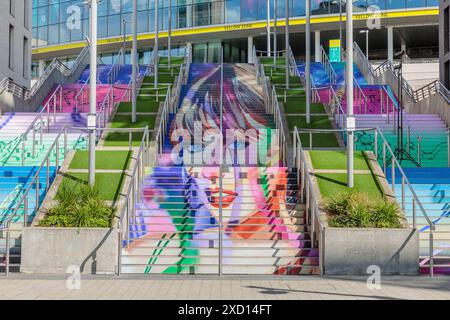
<point x="357" y="210"/>
<point x="78" y="206"/>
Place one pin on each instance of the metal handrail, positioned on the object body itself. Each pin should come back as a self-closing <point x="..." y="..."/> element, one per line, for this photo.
<point x="57" y="64"/>
<point x="360" y="96"/>
<point x="308" y="195"/>
<point x="161" y="132"/>
<point x="36" y="184"/>
<point x="395" y="164"/>
<point x="275" y="110"/>
<point x="132" y="195"/>
<point x="115" y="68"/>
<point x="327" y="65"/>
<point x="38" y="122"/>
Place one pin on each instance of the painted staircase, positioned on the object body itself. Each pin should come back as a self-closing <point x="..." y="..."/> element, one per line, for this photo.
<point x="176" y="228"/>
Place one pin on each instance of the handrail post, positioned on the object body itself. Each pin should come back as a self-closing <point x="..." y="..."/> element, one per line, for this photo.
<point x="8" y="239"/>
<point x="403" y="194"/>
<point x="376" y="143"/>
<point x="419" y="146"/>
<point x="431" y="251"/>
<point x="448" y="147"/>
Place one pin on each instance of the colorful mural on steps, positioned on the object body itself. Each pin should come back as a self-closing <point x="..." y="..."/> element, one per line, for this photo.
<point x="176" y="229"/>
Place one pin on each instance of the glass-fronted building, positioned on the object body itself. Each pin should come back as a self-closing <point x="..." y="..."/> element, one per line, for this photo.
<point x="65" y="21"/>
<point x="58" y="23"/>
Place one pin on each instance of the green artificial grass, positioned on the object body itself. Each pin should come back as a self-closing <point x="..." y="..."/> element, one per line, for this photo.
<point x="124" y="121"/>
<point x="269" y="61"/>
<point x="162" y="79"/>
<point x="281" y="79"/>
<point x="299" y="106"/>
<point x="337" y="160"/>
<point x="109" y="184"/>
<point x="317" y="122"/>
<point x="173" y="60"/>
<point x="104" y="160"/>
<point x="147" y="106"/>
<point x="320" y="140"/>
<point x="331" y="184"/>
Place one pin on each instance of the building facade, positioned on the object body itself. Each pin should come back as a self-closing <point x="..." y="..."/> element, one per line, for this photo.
<point x="60" y="27"/>
<point x="15" y="37"/>
<point x="444" y="42"/>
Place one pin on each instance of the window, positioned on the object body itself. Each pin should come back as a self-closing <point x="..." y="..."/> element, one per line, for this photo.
<point x="25" y="58"/>
<point x="12" y="7"/>
<point x="26" y="15"/>
<point x="446" y="30"/>
<point x="11" y="47"/>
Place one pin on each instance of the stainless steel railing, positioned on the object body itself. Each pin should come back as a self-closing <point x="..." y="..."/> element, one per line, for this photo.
<point x="327" y="65"/>
<point x="386" y="157"/>
<point x="35" y="182"/>
<point x="132" y="196"/>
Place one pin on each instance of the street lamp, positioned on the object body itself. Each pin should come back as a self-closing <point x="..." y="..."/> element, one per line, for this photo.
<point x="287" y="44"/>
<point x="92" y="116"/>
<point x="268" y="27"/>
<point x="169" y="38"/>
<point x="340" y="26"/>
<point x="367" y="41"/>
<point x="349" y="87"/>
<point x="156" y="49"/>
<point x="134" y="64"/>
<point x="308" y="61"/>
<point x="275" y="22"/>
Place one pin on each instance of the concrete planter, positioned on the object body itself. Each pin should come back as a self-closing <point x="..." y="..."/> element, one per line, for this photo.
<point x="53" y="250"/>
<point x="349" y="251"/>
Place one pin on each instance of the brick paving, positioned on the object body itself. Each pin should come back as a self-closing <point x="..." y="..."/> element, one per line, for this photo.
<point x="228" y="288"/>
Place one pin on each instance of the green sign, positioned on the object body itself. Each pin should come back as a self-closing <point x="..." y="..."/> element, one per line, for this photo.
<point x="335" y="50"/>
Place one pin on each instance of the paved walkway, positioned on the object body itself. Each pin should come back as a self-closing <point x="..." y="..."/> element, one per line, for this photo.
<point x="238" y="288"/>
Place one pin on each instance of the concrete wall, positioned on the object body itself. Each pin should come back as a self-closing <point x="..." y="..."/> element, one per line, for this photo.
<point x="52" y="250"/>
<point x="350" y="251"/>
<point x="21" y="22"/>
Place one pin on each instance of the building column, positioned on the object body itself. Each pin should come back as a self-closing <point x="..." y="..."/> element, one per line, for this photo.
<point x="390" y="44"/>
<point x="403" y="48"/>
<point x="41" y="67"/>
<point x="317" y="45"/>
<point x="250" y="49"/>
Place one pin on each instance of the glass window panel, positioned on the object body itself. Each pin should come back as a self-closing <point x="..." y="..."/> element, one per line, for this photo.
<point x="42" y="36"/>
<point x="143" y="4"/>
<point x="53" y="14"/>
<point x="416" y="3"/>
<point x="35" y="17"/>
<point x="53" y="34"/>
<point x="113" y="7"/>
<point x="396" y="4"/>
<point x="42" y="16"/>
<point x="379" y="3"/>
<point x="142" y="21"/>
<point x="114" y="25"/>
<point x="102" y="27"/>
<point x="233" y="11"/>
<point x="64" y="33"/>
<point x="249" y="10"/>
<point x="102" y="9"/>
<point x="127" y="6"/>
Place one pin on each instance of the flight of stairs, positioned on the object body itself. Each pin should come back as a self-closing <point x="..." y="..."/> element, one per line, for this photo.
<point x="432" y="187"/>
<point x="175" y="229"/>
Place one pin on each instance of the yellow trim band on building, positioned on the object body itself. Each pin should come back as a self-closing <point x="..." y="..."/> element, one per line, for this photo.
<point x="243" y="26"/>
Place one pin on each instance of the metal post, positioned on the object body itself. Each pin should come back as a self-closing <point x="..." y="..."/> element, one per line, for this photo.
<point x="349" y="83"/>
<point x="403" y="194"/>
<point x="275" y="22"/>
<point x="376" y="144"/>
<point x="221" y="169"/>
<point x="414" y="213"/>
<point x="340" y="26"/>
<point x="419" y="142"/>
<point x="287" y="44"/>
<point x="8" y="239"/>
<point x="93" y="90"/>
<point x="268" y="27"/>
<point x="308" y="62"/>
<point x="169" y="39"/>
<point x="156" y="47"/>
<point x="124" y="24"/>
<point x="448" y="148"/>
<point x="134" y="64"/>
